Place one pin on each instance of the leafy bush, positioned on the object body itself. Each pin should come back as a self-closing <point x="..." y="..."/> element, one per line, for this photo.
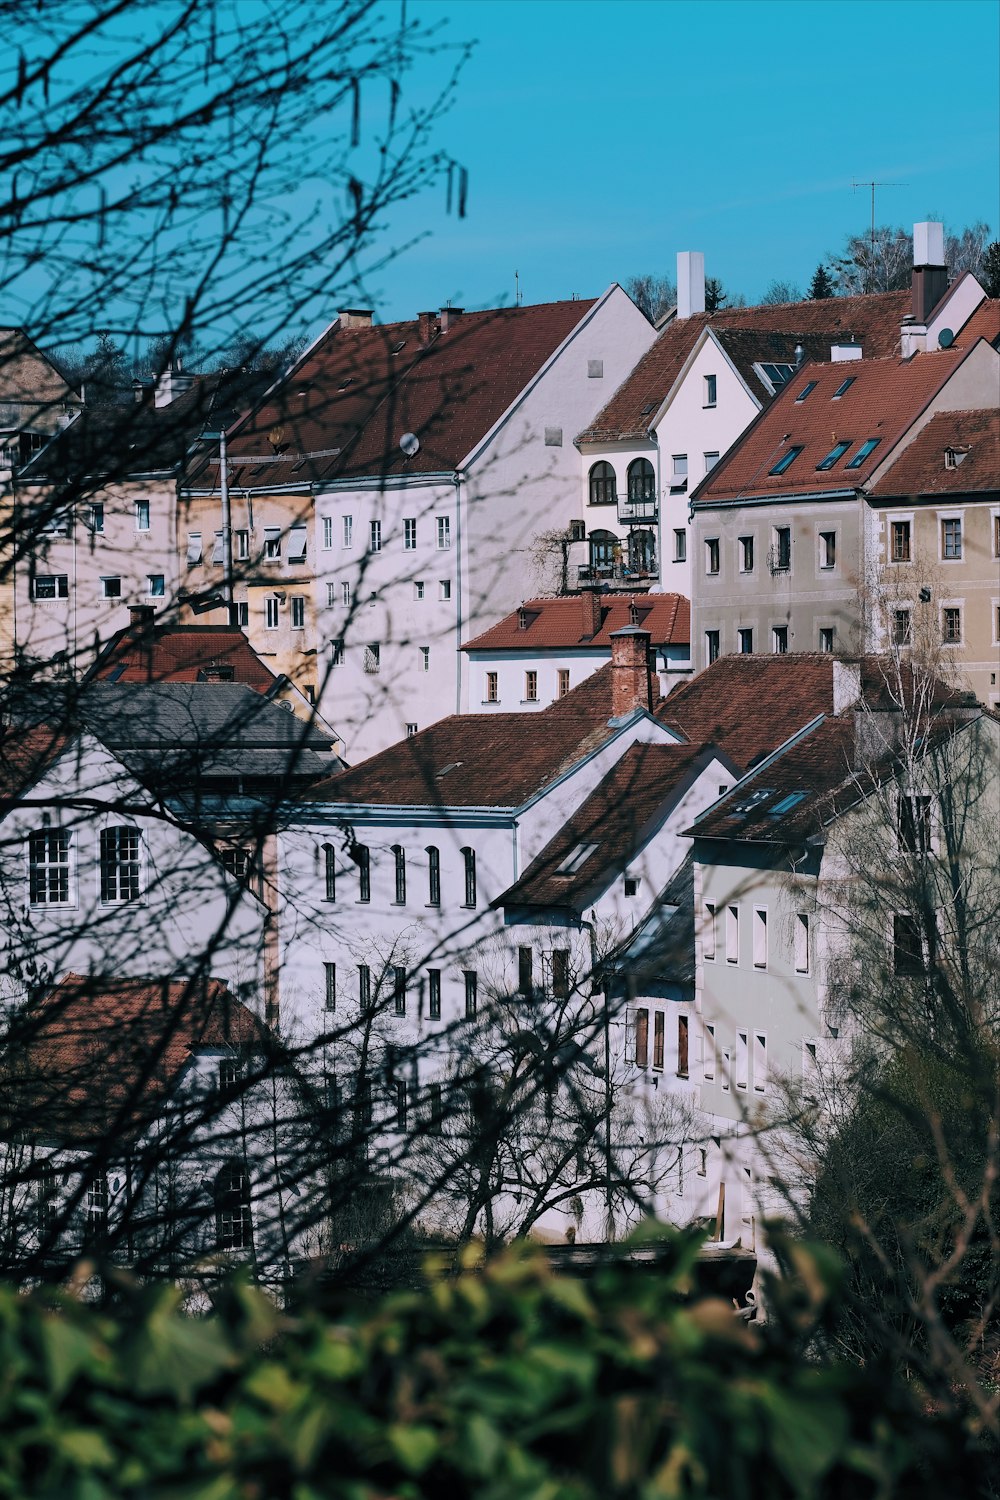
<point x="500" y="1382"/>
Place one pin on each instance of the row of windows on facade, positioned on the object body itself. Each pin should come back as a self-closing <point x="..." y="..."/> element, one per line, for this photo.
<point x="801" y="957"/>
<point x="62" y="524"/>
<point x="56" y="586"/>
<point x="342" y="593"/>
<point x="779" y="557"/>
<point x="826" y="641"/>
<point x="295" y="540"/>
<point x="640" y="479"/>
<point x="361" y="856"/>
<point x="230" y="1199"/>
<point x="679" y="1061"/>
<point x="372" y="660"/>
<point x="390" y="989"/>
<point x="951" y="539"/>
<point x="51" y="865"/>
<point x="492" y="689"/>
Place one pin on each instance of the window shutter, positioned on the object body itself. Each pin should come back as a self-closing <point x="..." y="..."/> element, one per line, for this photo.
<point x="194" y="548"/>
<point x="297" y="538"/>
<point x="217" y="550"/>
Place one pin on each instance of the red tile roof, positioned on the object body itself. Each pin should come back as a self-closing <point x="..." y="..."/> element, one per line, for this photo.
<point x="344" y="408"/>
<point x="984" y="324"/>
<point x="561" y="624"/>
<point x="874" y="321"/>
<point x="182" y="653"/>
<point x="26" y="752"/>
<point x="884" y="398"/>
<point x="921" y="470"/>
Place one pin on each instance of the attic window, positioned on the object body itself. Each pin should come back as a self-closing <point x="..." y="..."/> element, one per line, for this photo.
<point x="754" y="799"/>
<point x="777" y="374"/>
<point x="649" y="408"/>
<point x="348" y="380"/>
<point x="398" y="348"/>
<point x="867" y="447"/>
<point x="844" y="385"/>
<point x="787" y="803"/>
<point x="810" y="385"/>
<point x="837" y="451"/>
<point x="955" y="456"/>
<point x="786" y="460"/>
<point x="577" y="856"/>
<point x="452" y="765"/>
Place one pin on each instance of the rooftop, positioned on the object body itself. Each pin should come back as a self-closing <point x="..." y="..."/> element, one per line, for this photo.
<point x="956" y="453"/>
<point x="157" y="652"/>
<point x="554" y="624"/>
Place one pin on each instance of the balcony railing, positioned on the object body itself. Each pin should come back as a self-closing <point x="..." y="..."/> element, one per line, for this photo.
<point x="612" y="573"/>
<point x="637" y="510"/>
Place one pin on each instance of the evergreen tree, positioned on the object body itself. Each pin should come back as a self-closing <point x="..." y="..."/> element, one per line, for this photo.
<point x="821" y="285"/>
<point x="990" y="275"/>
<point x="716" y="296"/>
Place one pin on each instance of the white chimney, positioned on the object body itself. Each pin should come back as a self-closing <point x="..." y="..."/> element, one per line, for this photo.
<point x="690" y="282"/>
<point x="846" y="349"/>
<point x="928" y="244"/>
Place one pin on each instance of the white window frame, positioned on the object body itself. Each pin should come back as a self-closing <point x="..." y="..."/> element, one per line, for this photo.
<point x="327" y="524"/>
<point x="142" y="515"/>
<point x="271" y="552"/>
<point x="418" y="588"/>
<point x="272" y="617"/>
<point x="710" y="391"/>
<point x="760" y="937"/>
<point x="444" y="589"/>
<point x="56" y="866"/>
<point x="347" y="532"/>
<point x="443" y="533"/>
<point x="425" y="658"/>
<point x="951" y="515"/>
<point x="138" y="863"/>
<point x="709" y="932"/>
<point x="742" y="1069"/>
<point x="297" y="605"/>
<point x="824" y="565"/>
<point x="710" y="1058"/>
<point x="57" y="591"/>
<point x="111" y="578"/>
<point x="194" y="556"/>
<point x="801" y="943"/>
<point x="890" y="521"/>
<point x="375" y="536"/>
<point x="153" y="593"/>
<point x="760" y="1062"/>
<point x="409" y="534"/>
<point x="733" y="935"/>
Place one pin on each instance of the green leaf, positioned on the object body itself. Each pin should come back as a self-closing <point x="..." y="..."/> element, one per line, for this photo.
<point x="68" y="1350"/>
<point x="414" y="1446"/>
<point x="86" y="1448"/>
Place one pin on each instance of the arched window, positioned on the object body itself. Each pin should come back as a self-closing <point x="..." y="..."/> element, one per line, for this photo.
<point x="433" y="876"/>
<point x="602" y="484"/>
<point x="233" y="1226"/>
<point x="469" y="855"/>
<point x="642" y="552"/>
<point x="361" y="856"/>
<point x="400" y="861"/>
<point x="329" y="873"/>
<point x="602" y="553"/>
<point x="641" y="480"/>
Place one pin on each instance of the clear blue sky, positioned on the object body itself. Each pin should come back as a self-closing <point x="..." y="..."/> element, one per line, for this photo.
<point x="601" y="138"/>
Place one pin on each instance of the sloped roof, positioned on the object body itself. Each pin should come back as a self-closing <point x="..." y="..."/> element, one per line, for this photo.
<point x="882" y="400"/>
<point x="984" y="324"/>
<point x="97" y="1053"/>
<point x="661" y="950"/>
<point x="342" y="411"/>
<point x="609" y="827"/>
<point x="554" y="624"/>
<point x="873" y="321"/>
<point x="181" y="653"/>
<point x="165" y="715"/>
<point x="26" y="752"/>
<point x="921" y="470"/>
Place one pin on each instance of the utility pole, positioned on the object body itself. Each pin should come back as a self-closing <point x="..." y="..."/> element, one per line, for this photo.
<point x="873" y="185"/>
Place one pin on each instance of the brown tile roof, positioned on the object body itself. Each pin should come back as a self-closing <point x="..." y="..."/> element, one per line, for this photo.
<point x="96" y="1053"/>
<point x="920" y="469"/>
<point x="617" y="819"/>
<point x="874" y="321"/>
<point x="554" y="624"/>
<point x="182" y="653"/>
<point x="344" y="408"/>
<point x="883" y="399"/>
<point x="984" y="324"/>
<point x="26" y="752"/>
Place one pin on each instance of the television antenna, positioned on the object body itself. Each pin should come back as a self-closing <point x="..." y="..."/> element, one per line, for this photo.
<point x="517" y="290"/>
<point x="855" y="184"/>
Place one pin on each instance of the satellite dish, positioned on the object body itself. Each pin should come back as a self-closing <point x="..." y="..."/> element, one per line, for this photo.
<point x="946" y="338"/>
<point x="409" y="443"/>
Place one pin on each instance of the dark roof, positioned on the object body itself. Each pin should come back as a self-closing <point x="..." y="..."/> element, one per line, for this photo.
<point x="661" y="949"/>
<point x="553" y="624"/>
<point x="873" y="321"/>
<point x="94" y="1053"/>
<point x="883" y="400"/>
<point x="920" y="468"/>
<point x="611" y="826"/>
<point x="344" y="408"/>
<point x="182" y="653"/>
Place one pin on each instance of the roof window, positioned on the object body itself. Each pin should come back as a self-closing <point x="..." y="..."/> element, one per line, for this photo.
<point x="777" y="374"/>
<point x="787" y="803"/>
<point x="452" y="765"/>
<point x="955" y="456"/>
<point x="844" y="385"/>
<point x="649" y="407"/>
<point x="754" y="800"/>
<point x="867" y="447"/>
<point x="837" y="451"/>
<point x="577" y="856"/>
<point x="786" y="460"/>
<point x="810" y="385"/>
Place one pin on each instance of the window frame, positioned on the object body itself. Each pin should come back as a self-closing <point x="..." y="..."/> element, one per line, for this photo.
<point x="443" y="533"/>
<point x="42" y="870"/>
<point x="114" y="868"/>
<point x="329" y="854"/>
<point x="409" y="533"/>
<point x="399" y="875"/>
<point x="471" y="885"/>
<point x="713" y="557"/>
<point x="598" y="484"/>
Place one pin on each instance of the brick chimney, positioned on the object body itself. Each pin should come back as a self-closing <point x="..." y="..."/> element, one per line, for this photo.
<point x="140" y="615"/>
<point x="690" y="283"/>
<point x="356" y="317"/>
<point x="450" y="315"/>
<point x="593" y="615"/>
<point x="631" y="678"/>
<point x="426" y="326"/>
<point x="930" y="274"/>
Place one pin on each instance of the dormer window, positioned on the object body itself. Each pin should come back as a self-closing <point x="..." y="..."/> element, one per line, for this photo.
<point x="836" y="452"/>
<point x="786" y="460"/>
<point x="865" y="451"/>
<point x="843" y="387"/>
<point x="955" y="456"/>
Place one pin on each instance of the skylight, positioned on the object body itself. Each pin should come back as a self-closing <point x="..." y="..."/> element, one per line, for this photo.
<point x="575" y="858"/>
<point x="837" y="451"/>
<point x="754" y="799"/>
<point x="867" y="447"/>
<point x="649" y="407"/>
<point x="787" y="803"/>
<point x="810" y="385"/>
<point x="778" y="374"/>
<point x="844" y="385"/>
<point x="452" y="765"/>
<point x="786" y="460"/>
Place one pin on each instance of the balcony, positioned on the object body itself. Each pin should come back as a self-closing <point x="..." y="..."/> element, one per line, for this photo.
<point x="637" y="510"/>
<point x="617" y="573"/>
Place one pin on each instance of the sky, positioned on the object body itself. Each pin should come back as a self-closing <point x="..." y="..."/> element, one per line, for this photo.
<point x="602" y="138"/>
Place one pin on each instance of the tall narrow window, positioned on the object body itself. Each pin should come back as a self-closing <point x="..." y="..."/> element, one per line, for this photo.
<point x="658" y="1046"/>
<point x="327" y="533"/>
<point x="951" y="626"/>
<point x="709" y="1068"/>
<point x="443" y="533"/>
<point x="759" y="1062"/>
<point x="680" y="544"/>
<point x="471" y="992"/>
<point x="746" y="554"/>
<point x="902" y="627"/>
<point x="345" y="595"/>
<point x="375" y="536"/>
<point x="469" y="856"/>
<point x="362" y="856"/>
<point x="348" y="531"/>
<point x="899" y="550"/>
<point x="433" y="876"/>
<point x="828" y="549"/>
<point x="142" y="515"/>
<point x="444" y="588"/>
<point x="329" y="873"/>
<point x="434" y="994"/>
<point x="827" y="636"/>
<point x="711" y="387"/>
<point x="682" y="1046"/>
<point x="399" y="859"/>
<point x="272" y="544"/>
<point x="435" y="1122"/>
<point x="337" y="653"/>
<point x="402" y="1100"/>
<point x="330" y="985"/>
<point x="782" y="549"/>
<point x="409" y="534"/>
<point x="712" y="554"/>
<point x="907" y="953"/>
<point x="914" y="824"/>
<point x="708" y="931"/>
<point x="233" y="1226"/>
<point x="562" y="682"/>
<point x="298" y="604"/>
<point x="49" y="882"/>
<point x="732" y="935"/>
<point x="742" y="1060"/>
<point x="801" y="942"/>
<point x="759" y="938"/>
<point x="744" y="639"/>
<point x="97" y="520"/>
<point x="364" y="986"/>
<point x="951" y="538"/>
<point x="779" y="640"/>
<point x="525" y="972"/>
<point x="531" y="687"/>
<point x="120" y="869"/>
<point x="373" y="658"/>
<point x="641" y="1038"/>
<point x="711" y="647"/>
<point x="399" y="990"/>
<point x="271" y="612"/>
<point x="560" y="973"/>
<point x="425" y="658"/>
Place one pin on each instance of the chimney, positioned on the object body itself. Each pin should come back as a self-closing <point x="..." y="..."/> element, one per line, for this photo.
<point x="171" y="384"/>
<point x="426" y="326"/>
<point x="137" y="392"/>
<point x="140" y="615"/>
<point x="356" y="317"/>
<point x="846" y="684"/>
<point x="690" y="283"/>
<point x="930" y="274"/>
<point x="590" y="600"/>
<point x="844" y="349"/>
<point x="631" y="679"/>
<point x="450" y="315"/>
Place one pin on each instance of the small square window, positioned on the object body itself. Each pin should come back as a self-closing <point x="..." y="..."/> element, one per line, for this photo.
<point x="111" y="588"/>
<point x="418" y="589"/>
<point x="155" y="585"/>
<point x="711" y="459"/>
<point x="553" y="437"/>
<point x="411" y="730"/>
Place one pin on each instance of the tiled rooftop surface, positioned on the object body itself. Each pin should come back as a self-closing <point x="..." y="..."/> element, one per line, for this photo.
<point x="182" y="653"/>
<point x="921" y="468"/>
<point x="551" y="624"/>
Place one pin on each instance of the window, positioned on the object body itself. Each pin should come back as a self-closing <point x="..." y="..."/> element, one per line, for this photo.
<point x="732" y="935"/>
<point x="809" y="386"/>
<point x="471" y="979"/>
<point x="435" y="1121"/>
<point x="679" y="468"/>
<point x="682" y="1046"/>
<point x="641" y="1038"/>
<point x="711" y="459"/>
<point x="193" y="548"/>
<point x="837" y="451"/>
<point x="907" y="954"/>
<point x="155" y="585"/>
<point x="865" y="451"/>
<point x="712" y="554"/>
<point x="375" y="536"/>
<point x="410" y="534"/>
<point x="142" y="515"/>
<point x="711" y="388"/>
<point x="951" y="538"/>
<point x="111" y="588"/>
<point x="602" y="484"/>
<point x="119" y="857"/>
<point x="744" y="638"/>
<point x="345" y="594"/>
<point x="50" y="586"/>
<point x="364" y="986"/>
<point x="361" y="855"/>
<point x="631" y="885"/>
<point x="702" y="1167"/>
<point x="298" y="540"/>
<point x="553" y="437"/>
<point x="443" y="533"/>
<point x="444" y="588"/>
<point x="525" y="972"/>
<point x="680" y="544"/>
<point x="641" y="480"/>
<point x="239" y="613"/>
<point x="49" y="872"/>
<point x="782" y="549"/>
<point x="531" y="687"/>
<point x="492" y="687"/>
<point x="708" y="931"/>
<point x="329" y="872"/>
<point x="272" y="543"/>
<point x="659" y="1021"/>
<point x="742" y="1060"/>
<point x="759" y="938"/>
<point x="562" y="682"/>
<point x="595" y="369"/>
<point x="779" y="640"/>
<point x="336" y="653"/>
<point x="828" y="549"/>
<point x="233" y="1225"/>
<point x="913" y="823"/>
<point x="711" y="647"/>
<point x="560" y="973"/>
<point x="899" y="541"/>
<point x="759" y="1062"/>
<point x="331" y="595"/>
<point x="801" y="942"/>
<point x="399" y="990"/>
<point x="418" y="589"/>
<point x="746" y="554"/>
<point x="96" y="522"/>
<point x="425" y="658"/>
<point x="298" y="612"/>
<point x="786" y="460"/>
<point x="902" y="627"/>
<point x="826" y="638"/>
<point x="327" y="533"/>
<point x="843" y="387"/>
<point x="951" y="626"/>
<point x="399" y="858"/>
<point x="242" y="545"/>
<point x="271" y="612"/>
<point x="709" y="1068"/>
<point x="348" y="531"/>
<point x="411" y="730"/>
<point x="996" y="536"/>
<point x="469" y="856"/>
<point x="373" y="658"/>
<point x="434" y="993"/>
<point x="330" y="985"/>
<point x="725" y="1070"/>
<point x="402" y="1100"/>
